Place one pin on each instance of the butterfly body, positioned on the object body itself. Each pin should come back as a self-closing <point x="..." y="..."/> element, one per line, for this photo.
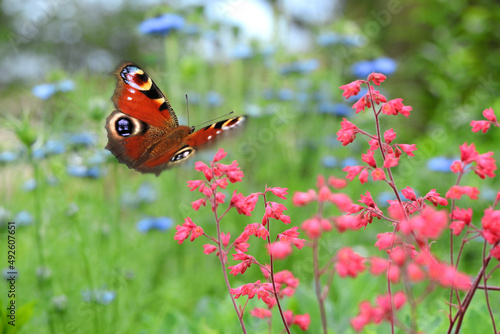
<point x="144" y="132"/>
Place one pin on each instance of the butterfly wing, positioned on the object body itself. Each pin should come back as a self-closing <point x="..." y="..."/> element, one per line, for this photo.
<point x="144" y="128"/>
<point x="143" y="133"/>
<point x="138" y="96"/>
<point x="206" y="134"/>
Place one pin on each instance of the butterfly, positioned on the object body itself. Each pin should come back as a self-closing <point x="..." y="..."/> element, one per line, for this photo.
<point x="143" y="131"/>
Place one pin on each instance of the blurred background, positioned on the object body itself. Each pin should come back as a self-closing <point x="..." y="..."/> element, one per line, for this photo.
<point x="95" y="239"/>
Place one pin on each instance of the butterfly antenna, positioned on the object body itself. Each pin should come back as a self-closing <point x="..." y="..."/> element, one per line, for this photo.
<point x="213" y="119"/>
<point x="187" y="107"/>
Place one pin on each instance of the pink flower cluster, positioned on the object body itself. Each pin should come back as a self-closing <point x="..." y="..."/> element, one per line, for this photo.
<point x="278" y="285"/>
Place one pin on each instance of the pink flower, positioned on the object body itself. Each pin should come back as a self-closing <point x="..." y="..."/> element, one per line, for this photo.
<point x="390" y="160"/>
<point x="378" y="265"/>
<point x="409" y="194"/>
<point x="315" y="226"/>
<point x="378" y="174"/>
<point x="194" y="184"/>
<point x="495" y="252"/>
<point x="489" y="114"/>
<point x="349" y="263"/>
<point x="302" y="320"/>
<point x="394" y="107"/>
<point x="376" y="96"/>
<point x="491" y="226"/>
<point x="456" y="192"/>
<point x="346" y="222"/>
<point x="429" y="224"/>
<point x="351" y="89"/>
<point x="415" y="273"/>
<point x="468" y="153"/>
<point x="347" y="132"/>
<point x="363" y="176"/>
<point x="301" y="198"/>
<point x="376" y="78"/>
<point x="260" y="313"/>
<point x="408" y="149"/>
<point x="342" y="201"/>
<point x="485" y="165"/>
<point x="280" y="192"/>
<point x="456" y="167"/>
<point x="187" y="229"/>
<point x="389" y="136"/>
<point x="279" y="249"/>
<point x="369" y="158"/>
<point x="352" y="171"/>
<point x="198" y="203"/>
<point x="240" y="268"/>
<point x="362" y="103"/>
<point x="324" y="194"/>
<point x="477" y="126"/>
<point x="201" y="167"/>
<point x="337" y="183"/>
<point x="291" y="235"/>
<point x="275" y="210"/>
<point x="225" y="238"/>
<point x="244" y="205"/>
<point x="386" y="240"/>
<point x="434" y="197"/>
<point x="257" y="230"/>
<point x="209" y="249"/>
<point x="219" y="155"/>
<point x="232" y="171"/>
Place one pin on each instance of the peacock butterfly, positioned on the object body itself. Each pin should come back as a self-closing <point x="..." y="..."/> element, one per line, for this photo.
<point x="144" y="133"/>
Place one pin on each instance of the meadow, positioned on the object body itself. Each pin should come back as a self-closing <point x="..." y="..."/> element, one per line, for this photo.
<point x="95" y="248"/>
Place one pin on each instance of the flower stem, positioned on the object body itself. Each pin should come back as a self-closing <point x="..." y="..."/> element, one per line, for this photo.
<point x="317" y="284"/>
<point x="223" y="264"/>
<point x="272" y="272"/>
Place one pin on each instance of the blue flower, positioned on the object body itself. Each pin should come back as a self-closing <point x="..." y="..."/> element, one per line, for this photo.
<point x="339" y="109"/>
<point x="214" y="99"/>
<point x="285" y="94"/>
<point x="385" y="65"/>
<point x="101" y="296"/>
<point x="8" y="156"/>
<point x="65" y="86"/>
<point x="267" y="94"/>
<point x="301" y="66"/>
<point x="362" y="69"/>
<point x="144" y="195"/>
<point x="349" y="162"/>
<point x="440" y="164"/>
<point x="99" y="157"/>
<point x="82" y="139"/>
<point x="92" y="172"/>
<point x="162" y="25"/>
<point x="44" y="91"/>
<point x="154" y="223"/>
<point x="242" y="51"/>
<point x="329" y="161"/>
<point x="331" y="38"/>
<point x="29" y="185"/>
<point x="23" y="218"/>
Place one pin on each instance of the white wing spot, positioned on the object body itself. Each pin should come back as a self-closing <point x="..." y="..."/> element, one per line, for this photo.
<point x="209" y="137"/>
<point x="218" y="131"/>
<point x="129" y="98"/>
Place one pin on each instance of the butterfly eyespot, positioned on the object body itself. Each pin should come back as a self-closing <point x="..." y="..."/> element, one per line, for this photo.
<point x="182" y="154"/>
<point x="124" y="126"/>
